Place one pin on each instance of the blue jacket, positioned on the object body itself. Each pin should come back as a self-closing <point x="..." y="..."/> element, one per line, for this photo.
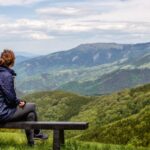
<point x="8" y="99"/>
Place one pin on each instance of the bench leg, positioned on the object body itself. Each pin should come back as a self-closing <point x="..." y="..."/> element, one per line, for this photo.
<point x="62" y="139"/>
<point x="58" y="139"/>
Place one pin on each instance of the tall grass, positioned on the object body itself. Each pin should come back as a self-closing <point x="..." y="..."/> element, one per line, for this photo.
<point x="17" y="141"/>
<point x="76" y="145"/>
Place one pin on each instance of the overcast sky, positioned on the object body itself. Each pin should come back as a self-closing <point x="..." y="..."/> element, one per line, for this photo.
<point x="46" y="26"/>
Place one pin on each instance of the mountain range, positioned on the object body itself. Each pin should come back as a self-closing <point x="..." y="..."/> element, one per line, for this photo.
<point x="110" y="82"/>
<point x="87" y="69"/>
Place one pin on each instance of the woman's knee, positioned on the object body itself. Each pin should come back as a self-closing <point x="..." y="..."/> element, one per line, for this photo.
<point x="31" y="116"/>
<point x="31" y="106"/>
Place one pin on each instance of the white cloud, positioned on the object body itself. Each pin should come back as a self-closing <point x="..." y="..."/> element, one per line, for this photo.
<point x="50" y="29"/>
<point x="31" y="24"/>
<point x="58" y="11"/>
<point x="23" y="29"/>
<point x="18" y="2"/>
<point x="121" y="17"/>
<point x="125" y="16"/>
<point x="134" y="10"/>
<point x="40" y="36"/>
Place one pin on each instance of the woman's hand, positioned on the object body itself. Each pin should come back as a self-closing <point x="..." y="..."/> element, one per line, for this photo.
<point x="22" y="104"/>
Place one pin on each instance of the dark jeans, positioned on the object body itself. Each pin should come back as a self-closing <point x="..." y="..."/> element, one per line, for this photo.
<point x="28" y="113"/>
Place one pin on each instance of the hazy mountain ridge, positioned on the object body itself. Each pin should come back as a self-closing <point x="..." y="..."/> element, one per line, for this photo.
<point x="87" y="62"/>
<point x="107" y="83"/>
<point x="86" y="55"/>
<point x="143" y="60"/>
<point x="23" y="56"/>
<point x="20" y="58"/>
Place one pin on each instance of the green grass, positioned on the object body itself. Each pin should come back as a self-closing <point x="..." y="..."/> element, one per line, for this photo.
<point x="76" y="145"/>
<point x="16" y="141"/>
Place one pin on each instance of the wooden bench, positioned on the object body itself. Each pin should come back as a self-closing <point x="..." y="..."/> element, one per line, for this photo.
<point x="57" y="127"/>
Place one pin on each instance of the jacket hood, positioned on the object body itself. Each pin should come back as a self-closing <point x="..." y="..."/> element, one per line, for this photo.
<point x="11" y="71"/>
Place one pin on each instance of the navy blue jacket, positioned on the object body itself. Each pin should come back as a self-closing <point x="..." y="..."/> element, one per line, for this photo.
<point x="8" y="99"/>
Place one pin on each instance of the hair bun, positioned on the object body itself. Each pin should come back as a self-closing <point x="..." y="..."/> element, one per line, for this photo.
<point x="2" y="61"/>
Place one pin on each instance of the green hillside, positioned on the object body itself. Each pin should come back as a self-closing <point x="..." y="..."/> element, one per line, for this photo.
<point x="143" y="61"/>
<point x="55" y="78"/>
<point x="57" y="105"/>
<point x="131" y="130"/>
<point x="107" y="83"/>
<point x="118" y="118"/>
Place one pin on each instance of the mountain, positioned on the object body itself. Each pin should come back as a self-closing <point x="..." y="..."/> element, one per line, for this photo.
<point x="20" y="59"/>
<point x="22" y="56"/>
<point x="107" y="83"/>
<point x="82" y="64"/>
<point x="26" y="54"/>
<point x="117" y="118"/>
<point x="56" y="78"/>
<point x="85" y="55"/>
<point x="143" y="61"/>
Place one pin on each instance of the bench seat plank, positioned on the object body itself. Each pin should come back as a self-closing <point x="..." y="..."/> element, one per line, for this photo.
<point x="45" y="125"/>
<point x="58" y="127"/>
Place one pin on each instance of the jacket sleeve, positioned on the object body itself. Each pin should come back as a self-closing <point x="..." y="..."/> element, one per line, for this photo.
<point x="7" y="86"/>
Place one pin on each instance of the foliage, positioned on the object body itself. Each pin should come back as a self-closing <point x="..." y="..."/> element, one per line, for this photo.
<point x="118" y="118"/>
<point x="57" y="105"/>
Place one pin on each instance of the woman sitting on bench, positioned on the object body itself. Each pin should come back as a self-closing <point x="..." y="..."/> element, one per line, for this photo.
<point x="12" y="108"/>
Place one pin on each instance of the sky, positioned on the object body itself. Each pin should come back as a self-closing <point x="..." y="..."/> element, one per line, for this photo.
<point x="46" y="26"/>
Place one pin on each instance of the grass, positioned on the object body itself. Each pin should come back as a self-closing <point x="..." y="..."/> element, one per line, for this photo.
<point x="17" y="141"/>
<point x="76" y="145"/>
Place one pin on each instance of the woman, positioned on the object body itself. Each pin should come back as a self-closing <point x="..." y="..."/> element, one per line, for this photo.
<point x="12" y="108"/>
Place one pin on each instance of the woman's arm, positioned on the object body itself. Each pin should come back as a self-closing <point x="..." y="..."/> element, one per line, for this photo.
<point x="7" y="87"/>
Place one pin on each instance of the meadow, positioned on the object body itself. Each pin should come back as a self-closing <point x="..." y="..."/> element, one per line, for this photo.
<point x="16" y="140"/>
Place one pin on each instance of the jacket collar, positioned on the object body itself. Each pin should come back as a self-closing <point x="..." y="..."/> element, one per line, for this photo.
<point x="11" y="71"/>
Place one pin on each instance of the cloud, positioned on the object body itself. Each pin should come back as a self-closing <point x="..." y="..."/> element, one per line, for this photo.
<point x="114" y="10"/>
<point x="84" y="21"/>
<point x="52" y="29"/>
<point x="40" y="36"/>
<point x="22" y="29"/>
<point x="108" y="15"/>
<point x="134" y="10"/>
<point x="58" y="11"/>
<point x="18" y="2"/>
